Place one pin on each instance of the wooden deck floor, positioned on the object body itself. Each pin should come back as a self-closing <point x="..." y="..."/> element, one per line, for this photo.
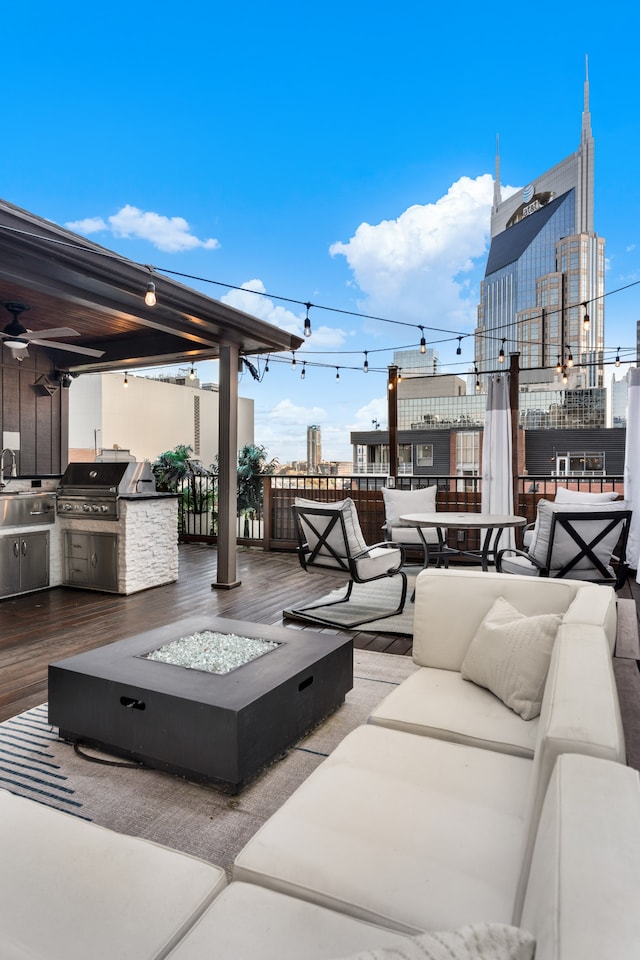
<point x="40" y="628"/>
<point x="43" y="627"/>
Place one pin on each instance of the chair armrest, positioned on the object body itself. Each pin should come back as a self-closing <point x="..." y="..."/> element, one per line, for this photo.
<point x="518" y="553"/>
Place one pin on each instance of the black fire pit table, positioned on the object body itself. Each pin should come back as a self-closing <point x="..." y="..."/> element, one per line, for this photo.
<point x="220" y="728"/>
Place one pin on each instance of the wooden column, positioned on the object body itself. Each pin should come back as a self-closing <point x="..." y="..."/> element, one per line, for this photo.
<point x="227" y="572"/>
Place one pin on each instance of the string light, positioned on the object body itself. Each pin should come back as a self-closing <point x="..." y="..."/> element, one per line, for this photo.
<point x="565" y="376"/>
<point x="618" y="357"/>
<point x="192" y="373"/>
<point x="570" y="357"/>
<point x="303" y="372"/>
<point x="307" y="321"/>
<point x="337" y="373"/>
<point x="293" y="360"/>
<point x="559" y="365"/>
<point x="585" y="319"/>
<point x="365" y="365"/>
<point x="501" y="354"/>
<point x="423" y="342"/>
<point x="475" y="370"/>
<point x="150" y="295"/>
<point x="125" y="382"/>
<point x="459" y="347"/>
<point x="399" y="377"/>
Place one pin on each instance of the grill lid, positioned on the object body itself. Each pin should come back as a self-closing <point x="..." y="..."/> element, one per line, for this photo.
<point x="112" y="477"/>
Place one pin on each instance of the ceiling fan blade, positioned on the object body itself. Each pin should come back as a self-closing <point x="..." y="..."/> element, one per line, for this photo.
<point x="68" y="348"/>
<point x="51" y="333"/>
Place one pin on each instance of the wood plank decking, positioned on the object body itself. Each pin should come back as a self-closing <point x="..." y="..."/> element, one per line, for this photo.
<point x="39" y="628"/>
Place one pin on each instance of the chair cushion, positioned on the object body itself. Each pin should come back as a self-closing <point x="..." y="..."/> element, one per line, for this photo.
<point x="499" y="941"/>
<point x="510" y="655"/>
<point x="356" y="542"/>
<point x="397" y="502"/>
<point x="564" y="495"/>
<point x="565" y="547"/>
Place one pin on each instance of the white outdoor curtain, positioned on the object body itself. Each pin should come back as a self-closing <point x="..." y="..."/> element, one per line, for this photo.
<point x="497" y="476"/>
<point x="632" y="469"/>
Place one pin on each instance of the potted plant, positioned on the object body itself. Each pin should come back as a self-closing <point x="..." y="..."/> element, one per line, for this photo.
<point x="177" y="472"/>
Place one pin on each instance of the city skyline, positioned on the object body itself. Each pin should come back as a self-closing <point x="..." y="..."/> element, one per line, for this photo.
<point x="273" y="158"/>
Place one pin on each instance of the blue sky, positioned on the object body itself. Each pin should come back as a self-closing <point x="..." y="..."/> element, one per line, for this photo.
<point x="340" y="154"/>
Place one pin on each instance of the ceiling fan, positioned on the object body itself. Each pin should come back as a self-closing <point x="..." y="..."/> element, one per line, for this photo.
<point x="17" y="338"/>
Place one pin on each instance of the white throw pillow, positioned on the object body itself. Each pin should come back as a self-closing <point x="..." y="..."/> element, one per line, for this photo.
<point x="510" y="655"/>
<point x="355" y="538"/>
<point x="477" y="941"/>
<point x="397" y="502"/>
<point x="564" y="495"/>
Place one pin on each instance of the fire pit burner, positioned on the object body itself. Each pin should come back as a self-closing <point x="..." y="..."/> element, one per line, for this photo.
<point x="212" y="652"/>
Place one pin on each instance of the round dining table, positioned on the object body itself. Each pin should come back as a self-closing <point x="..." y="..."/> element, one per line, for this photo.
<point x="492" y="523"/>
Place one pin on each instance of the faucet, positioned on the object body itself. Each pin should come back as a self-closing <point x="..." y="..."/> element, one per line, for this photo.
<point x="14" y="472"/>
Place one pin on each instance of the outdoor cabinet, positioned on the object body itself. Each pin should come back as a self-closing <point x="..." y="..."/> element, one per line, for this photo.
<point x="24" y="563"/>
<point x="91" y="560"/>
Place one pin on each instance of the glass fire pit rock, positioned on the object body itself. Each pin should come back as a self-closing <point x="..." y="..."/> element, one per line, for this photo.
<point x="213" y="652"/>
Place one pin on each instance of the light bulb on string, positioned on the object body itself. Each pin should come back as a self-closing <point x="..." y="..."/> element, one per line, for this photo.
<point x="307" y="321"/>
<point x="423" y="342"/>
<point x="399" y="377"/>
<point x="618" y="357"/>
<point x="192" y="373"/>
<point x="125" y="382"/>
<point x="337" y="373"/>
<point x="150" y="295"/>
<point x="570" y="357"/>
<point x="559" y="365"/>
<point x="303" y="372"/>
<point x="293" y="361"/>
<point x="459" y="347"/>
<point x="501" y="354"/>
<point x="586" y="318"/>
<point x="565" y="376"/>
<point x="365" y="365"/>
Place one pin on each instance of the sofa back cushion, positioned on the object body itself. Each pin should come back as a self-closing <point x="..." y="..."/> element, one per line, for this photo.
<point x="581" y="891"/>
<point x="450" y="605"/>
<point x="580" y="714"/>
<point x="564" y="495"/>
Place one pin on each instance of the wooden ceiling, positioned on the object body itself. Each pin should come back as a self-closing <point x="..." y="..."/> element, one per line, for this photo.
<point x="66" y="281"/>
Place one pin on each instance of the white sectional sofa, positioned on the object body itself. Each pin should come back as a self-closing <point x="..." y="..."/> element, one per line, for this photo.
<point x="431" y="817"/>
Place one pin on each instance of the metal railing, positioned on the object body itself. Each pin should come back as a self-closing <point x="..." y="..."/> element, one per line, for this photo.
<point x="271" y="527"/>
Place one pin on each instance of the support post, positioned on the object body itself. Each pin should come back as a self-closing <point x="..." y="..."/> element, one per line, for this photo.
<point x="514" y="403"/>
<point x="392" y="406"/>
<point x="226" y="574"/>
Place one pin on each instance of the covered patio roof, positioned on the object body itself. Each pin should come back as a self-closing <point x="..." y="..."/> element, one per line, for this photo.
<point x="69" y="282"/>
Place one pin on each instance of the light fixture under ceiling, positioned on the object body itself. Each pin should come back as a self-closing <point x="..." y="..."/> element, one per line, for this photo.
<point x="17" y="338"/>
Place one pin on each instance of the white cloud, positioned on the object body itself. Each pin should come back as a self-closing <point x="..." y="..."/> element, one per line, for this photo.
<point x="251" y="299"/>
<point x="170" y="234"/>
<point x="418" y="267"/>
<point x="87" y="226"/>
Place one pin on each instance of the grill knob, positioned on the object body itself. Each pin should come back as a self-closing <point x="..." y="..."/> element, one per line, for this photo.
<point x="86" y="507"/>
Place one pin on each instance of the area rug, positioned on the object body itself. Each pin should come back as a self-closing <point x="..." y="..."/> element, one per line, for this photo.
<point x="195" y="819"/>
<point x="367" y="602"/>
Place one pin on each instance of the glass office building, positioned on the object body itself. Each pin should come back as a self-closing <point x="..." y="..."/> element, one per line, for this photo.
<point x="545" y="274"/>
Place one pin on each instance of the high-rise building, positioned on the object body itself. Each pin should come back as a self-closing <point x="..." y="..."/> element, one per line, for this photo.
<point x="314" y="448"/>
<point x="545" y="275"/>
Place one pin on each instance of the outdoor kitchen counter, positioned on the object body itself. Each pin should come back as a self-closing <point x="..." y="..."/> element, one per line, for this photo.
<point x="136" y="551"/>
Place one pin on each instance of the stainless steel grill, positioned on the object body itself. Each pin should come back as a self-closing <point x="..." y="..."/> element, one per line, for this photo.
<point x="95" y="489"/>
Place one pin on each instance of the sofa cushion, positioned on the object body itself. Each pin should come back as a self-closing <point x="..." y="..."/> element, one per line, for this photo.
<point x="498" y="941"/>
<point x="439" y="703"/>
<point x="397" y="502"/>
<point x="451" y="604"/>
<point x="355" y="537"/>
<point x="510" y="654"/>
<point x="70" y="890"/>
<point x="408" y="832"/>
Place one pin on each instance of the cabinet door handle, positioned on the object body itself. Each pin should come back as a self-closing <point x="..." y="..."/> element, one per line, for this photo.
<point x="24" y="548"/>
<point x="94" y="559"/>
<point x="16" y="548"/>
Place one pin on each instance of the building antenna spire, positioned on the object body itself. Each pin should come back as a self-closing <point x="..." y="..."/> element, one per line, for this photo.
<point x="497" y="192"/>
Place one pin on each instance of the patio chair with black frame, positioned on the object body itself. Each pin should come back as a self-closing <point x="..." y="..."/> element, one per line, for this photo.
<point x="330" y="541"/>
<point x="586" y="542"/>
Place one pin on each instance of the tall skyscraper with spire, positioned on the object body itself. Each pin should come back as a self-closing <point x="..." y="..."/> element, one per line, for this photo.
<point x="543" y="289"/>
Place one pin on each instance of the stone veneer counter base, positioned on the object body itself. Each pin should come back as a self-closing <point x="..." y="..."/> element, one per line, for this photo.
<point x="211" y="728"/>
